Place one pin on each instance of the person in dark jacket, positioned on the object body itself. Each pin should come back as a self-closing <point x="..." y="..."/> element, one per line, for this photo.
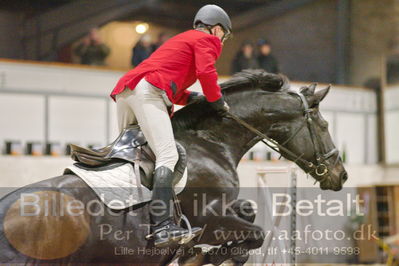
<point x="142" y="50"/>
<point x="266" y="60"/>
<point x="245" y="58"/>
<point x="92" y="51"/>
<point x="162" y="38"/>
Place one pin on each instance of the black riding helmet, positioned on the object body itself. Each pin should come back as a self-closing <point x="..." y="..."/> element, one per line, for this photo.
<point x="212" y="15"/>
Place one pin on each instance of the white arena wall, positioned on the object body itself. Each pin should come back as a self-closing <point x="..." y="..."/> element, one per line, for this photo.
<point x="64" y="104"/>
<point x="53" y="103"/>
<point x="391" y="108"/>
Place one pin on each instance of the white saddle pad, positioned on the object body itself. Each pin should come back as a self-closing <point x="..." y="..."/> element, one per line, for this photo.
<point x="117" y="187"/>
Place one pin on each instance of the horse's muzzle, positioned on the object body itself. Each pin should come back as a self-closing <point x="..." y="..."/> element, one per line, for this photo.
<point x="344" y="177"/>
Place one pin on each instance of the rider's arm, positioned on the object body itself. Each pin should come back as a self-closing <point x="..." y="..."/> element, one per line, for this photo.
<point x="207" y="51"/>
<point x="188" y="97"/>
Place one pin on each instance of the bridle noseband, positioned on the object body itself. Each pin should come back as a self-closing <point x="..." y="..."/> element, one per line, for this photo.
<point x="320" y="168"/>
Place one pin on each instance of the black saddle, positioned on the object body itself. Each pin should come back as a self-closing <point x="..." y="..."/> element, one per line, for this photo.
<point x="130" y="146"/>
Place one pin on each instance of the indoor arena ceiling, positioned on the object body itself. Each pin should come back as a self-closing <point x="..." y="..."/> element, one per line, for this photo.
<point x="31" y="6"/>
<point x="48" y="4"/>
<point x="179" y="13"/>
<point x="64" y="21"/>
<point x="167" y="9"/>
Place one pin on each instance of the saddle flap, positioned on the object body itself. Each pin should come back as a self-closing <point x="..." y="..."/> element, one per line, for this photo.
<point x="94" y="152"/>
<point x="130" y="146"/>
<point x="89" y="160"/>
<point x="122" y="148"/>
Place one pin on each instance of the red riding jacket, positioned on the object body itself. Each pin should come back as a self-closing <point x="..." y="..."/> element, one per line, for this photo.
<point x="177" y="64"/>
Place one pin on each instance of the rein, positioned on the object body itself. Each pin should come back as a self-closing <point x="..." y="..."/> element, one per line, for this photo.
<point x="320" y="168"/>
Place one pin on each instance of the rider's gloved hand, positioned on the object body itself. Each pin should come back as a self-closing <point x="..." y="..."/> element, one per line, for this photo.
<point x="220" y="106"/>
<point x="195" y="97"/>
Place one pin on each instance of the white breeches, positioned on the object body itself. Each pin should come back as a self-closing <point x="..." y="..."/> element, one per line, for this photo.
<point x="146" y="106"/>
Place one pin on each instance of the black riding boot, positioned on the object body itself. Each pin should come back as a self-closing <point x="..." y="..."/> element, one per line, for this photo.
<point x="164" y="229"/>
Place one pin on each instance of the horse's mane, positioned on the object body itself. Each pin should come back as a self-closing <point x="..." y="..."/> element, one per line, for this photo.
<point x="189" y="116"/>
<point x="256" y="78"/>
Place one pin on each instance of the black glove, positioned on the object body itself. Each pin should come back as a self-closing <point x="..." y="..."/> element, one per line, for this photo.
<point x="195" y="97"/>
<point x="220" y="106"/>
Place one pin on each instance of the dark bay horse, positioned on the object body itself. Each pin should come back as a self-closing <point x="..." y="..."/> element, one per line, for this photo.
<point x="214" y="146"/>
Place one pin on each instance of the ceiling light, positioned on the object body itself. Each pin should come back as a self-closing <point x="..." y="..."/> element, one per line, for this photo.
<point x="142" y="28"/>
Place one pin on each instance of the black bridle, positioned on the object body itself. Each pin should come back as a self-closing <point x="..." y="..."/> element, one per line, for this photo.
<point x="320" y="168"/>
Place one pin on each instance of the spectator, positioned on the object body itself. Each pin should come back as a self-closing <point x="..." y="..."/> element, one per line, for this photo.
<point x="266" y="60"/>
<point x="142" y="50"/>
<point x="392" y="66"/>
<point x="92" y="51"/>
<point x="162" y="37"/>
<point x="245" y="58"/>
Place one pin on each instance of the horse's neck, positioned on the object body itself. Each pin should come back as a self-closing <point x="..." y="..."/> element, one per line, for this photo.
<point x="257" y="108"/>
<point x="236" y="139"/>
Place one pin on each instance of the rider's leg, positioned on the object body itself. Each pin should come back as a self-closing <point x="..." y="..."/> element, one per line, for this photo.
<point x="145" y="106"/>
<point x="152" y="115"/>
<point x="124" y="112"/>
<point x="151" y="112"/>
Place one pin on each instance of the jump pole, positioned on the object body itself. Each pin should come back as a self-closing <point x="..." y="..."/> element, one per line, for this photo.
<point x="262" y="173"/>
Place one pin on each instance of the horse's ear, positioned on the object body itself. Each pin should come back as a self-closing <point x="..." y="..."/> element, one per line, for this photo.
<point x="309" y="91"/>
<point x="277" y="129"/>
<point x="320" y="95"/>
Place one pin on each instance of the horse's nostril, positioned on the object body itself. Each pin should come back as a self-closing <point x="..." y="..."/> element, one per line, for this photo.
<point x="344" y="176"/>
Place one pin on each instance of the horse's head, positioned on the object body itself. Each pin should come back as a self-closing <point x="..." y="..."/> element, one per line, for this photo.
<point x="304" y="134"/>
<point x="264" y="103"/>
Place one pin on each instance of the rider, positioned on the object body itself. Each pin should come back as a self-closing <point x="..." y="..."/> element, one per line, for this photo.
<point x="144" y="95"/>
